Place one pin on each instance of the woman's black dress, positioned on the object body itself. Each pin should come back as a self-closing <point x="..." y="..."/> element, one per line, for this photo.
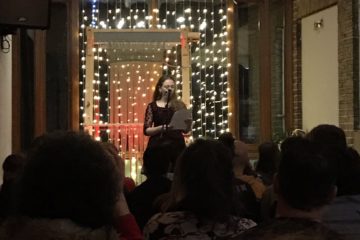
<point x="157" y="116"/>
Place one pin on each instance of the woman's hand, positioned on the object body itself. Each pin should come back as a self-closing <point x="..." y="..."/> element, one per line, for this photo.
<point x="188" y="123"/>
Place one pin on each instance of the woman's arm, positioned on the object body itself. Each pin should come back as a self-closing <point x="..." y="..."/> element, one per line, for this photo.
<point x="149" y="130"/>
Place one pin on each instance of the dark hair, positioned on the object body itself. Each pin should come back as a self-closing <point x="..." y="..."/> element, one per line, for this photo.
<point x="348" y="173"/>
<point x="203" y="181"/>
<point x="160" y="82"/>
<point x="269" y="156"/>
<point x="228" y="140"/>
<point x="306" y="175"/>
<point x="329" y="135"/>
<point x="333" y="140"/>
<point x="13" y="163"/>
<point x="69" y="175"/>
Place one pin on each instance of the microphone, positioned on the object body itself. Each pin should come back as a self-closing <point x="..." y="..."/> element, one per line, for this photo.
<point x="168" y="98"/>
<point x="168" y="93"/>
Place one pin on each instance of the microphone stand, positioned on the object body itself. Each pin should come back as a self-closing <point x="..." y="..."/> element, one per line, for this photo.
<point x="167" y="108"/>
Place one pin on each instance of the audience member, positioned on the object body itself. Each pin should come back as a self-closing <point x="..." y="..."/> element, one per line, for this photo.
<point x="12" y="168"/>
<point x="305" y="184"/>
<point x="156" y="162"/>
<point x="200" y="200"/>
<point x="248" y="188"/>
<point x="266" y="166"/>
<point x="343" y="214"/>
<point x="70" y="189"/>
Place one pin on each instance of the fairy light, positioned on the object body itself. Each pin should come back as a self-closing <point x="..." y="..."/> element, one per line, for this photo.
<point x="209" y="88"/>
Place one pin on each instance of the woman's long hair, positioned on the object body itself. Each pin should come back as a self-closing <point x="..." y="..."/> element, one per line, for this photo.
<point x="203" y="181"/>
<point x="174" y="103"/>
<point x="160" y="82"/>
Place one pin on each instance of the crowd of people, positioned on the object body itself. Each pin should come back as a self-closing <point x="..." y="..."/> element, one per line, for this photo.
<point x="68" y="186"/>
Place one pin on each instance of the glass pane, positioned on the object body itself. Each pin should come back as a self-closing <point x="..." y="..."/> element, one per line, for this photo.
<point x="277" y="69"/>
<point x="249" y="74"/>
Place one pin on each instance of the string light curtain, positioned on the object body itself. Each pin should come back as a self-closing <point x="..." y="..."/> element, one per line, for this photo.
<point x="209" y="87"/>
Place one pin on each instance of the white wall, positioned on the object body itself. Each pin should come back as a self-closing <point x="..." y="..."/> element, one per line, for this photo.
<point x="5" y="106"/>
<point x="320" y="91"/>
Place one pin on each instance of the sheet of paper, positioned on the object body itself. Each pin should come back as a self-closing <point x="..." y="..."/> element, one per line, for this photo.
<point x="178" y="119"/>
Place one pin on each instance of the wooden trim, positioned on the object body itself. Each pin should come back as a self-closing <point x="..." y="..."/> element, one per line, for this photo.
<point x="73" y="60"/>
<point x="154" y="21"/>
<point x="39" y="83"/>
<point x="309" y="7"/>
<point x="265" y="72"/>
<point x="16" y="93"/>
<point x="230" y="68"/>
<point x="288" y="67"/>
<point x="185" y="70"/>
<point x="89" y="95"/>
<point x="236" y="89"/>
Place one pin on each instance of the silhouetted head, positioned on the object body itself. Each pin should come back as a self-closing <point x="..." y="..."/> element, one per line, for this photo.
<point x="203" y="180"/>
<point x="69" y="175"/>
<point x="13" y="166"/>
<point x="307" y="175"/>
<point x="328" y="135"/>
<point x="228" y="140"/>
<point x="269" y="157"/>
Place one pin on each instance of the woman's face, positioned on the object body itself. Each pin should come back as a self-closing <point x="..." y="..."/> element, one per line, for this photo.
<point x="167" y="85"/>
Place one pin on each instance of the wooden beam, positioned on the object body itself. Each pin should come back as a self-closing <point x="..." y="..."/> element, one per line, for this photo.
<point x="40" y="83"/>
<point x="185" y="68"/>
<point x="89" y="95"/>
<point x="265" y="73"/>
<point x="230" y="68"/>
<point x="16" y="93"/>
<point x="73" y="60"/>
<point x="153" y="12"/>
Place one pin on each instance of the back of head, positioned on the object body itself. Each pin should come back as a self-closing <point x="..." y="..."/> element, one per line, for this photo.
<point x="269" y="155"/>
<point x="328" y="135"/>
<point x="306" y="175"/>
<point x="13" y="166"/>
<point x="203" y="180"/>
<point x="348" y="173"/>
<point x="69" y="175"/>
<point x="228" y="140"/>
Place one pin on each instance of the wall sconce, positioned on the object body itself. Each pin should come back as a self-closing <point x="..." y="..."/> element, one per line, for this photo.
<point x="318" y="24"/>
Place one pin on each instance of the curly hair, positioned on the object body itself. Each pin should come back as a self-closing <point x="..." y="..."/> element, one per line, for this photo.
<point x="69" y="175"/>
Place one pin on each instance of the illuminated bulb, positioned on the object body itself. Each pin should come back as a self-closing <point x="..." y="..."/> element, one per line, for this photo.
<point x="180" y="19"/>
<point x="140" y="24"/>
<point x="202" y="25"/>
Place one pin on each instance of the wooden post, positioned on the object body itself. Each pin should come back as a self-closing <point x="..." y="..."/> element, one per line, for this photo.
<point x="89" y="95"/>
<point x="153" y="11"/>
<point x="185" y="68"/>
<point x="73" y="58"/>
<point x="40" y="83"/>
<point x="230" y="69"/>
